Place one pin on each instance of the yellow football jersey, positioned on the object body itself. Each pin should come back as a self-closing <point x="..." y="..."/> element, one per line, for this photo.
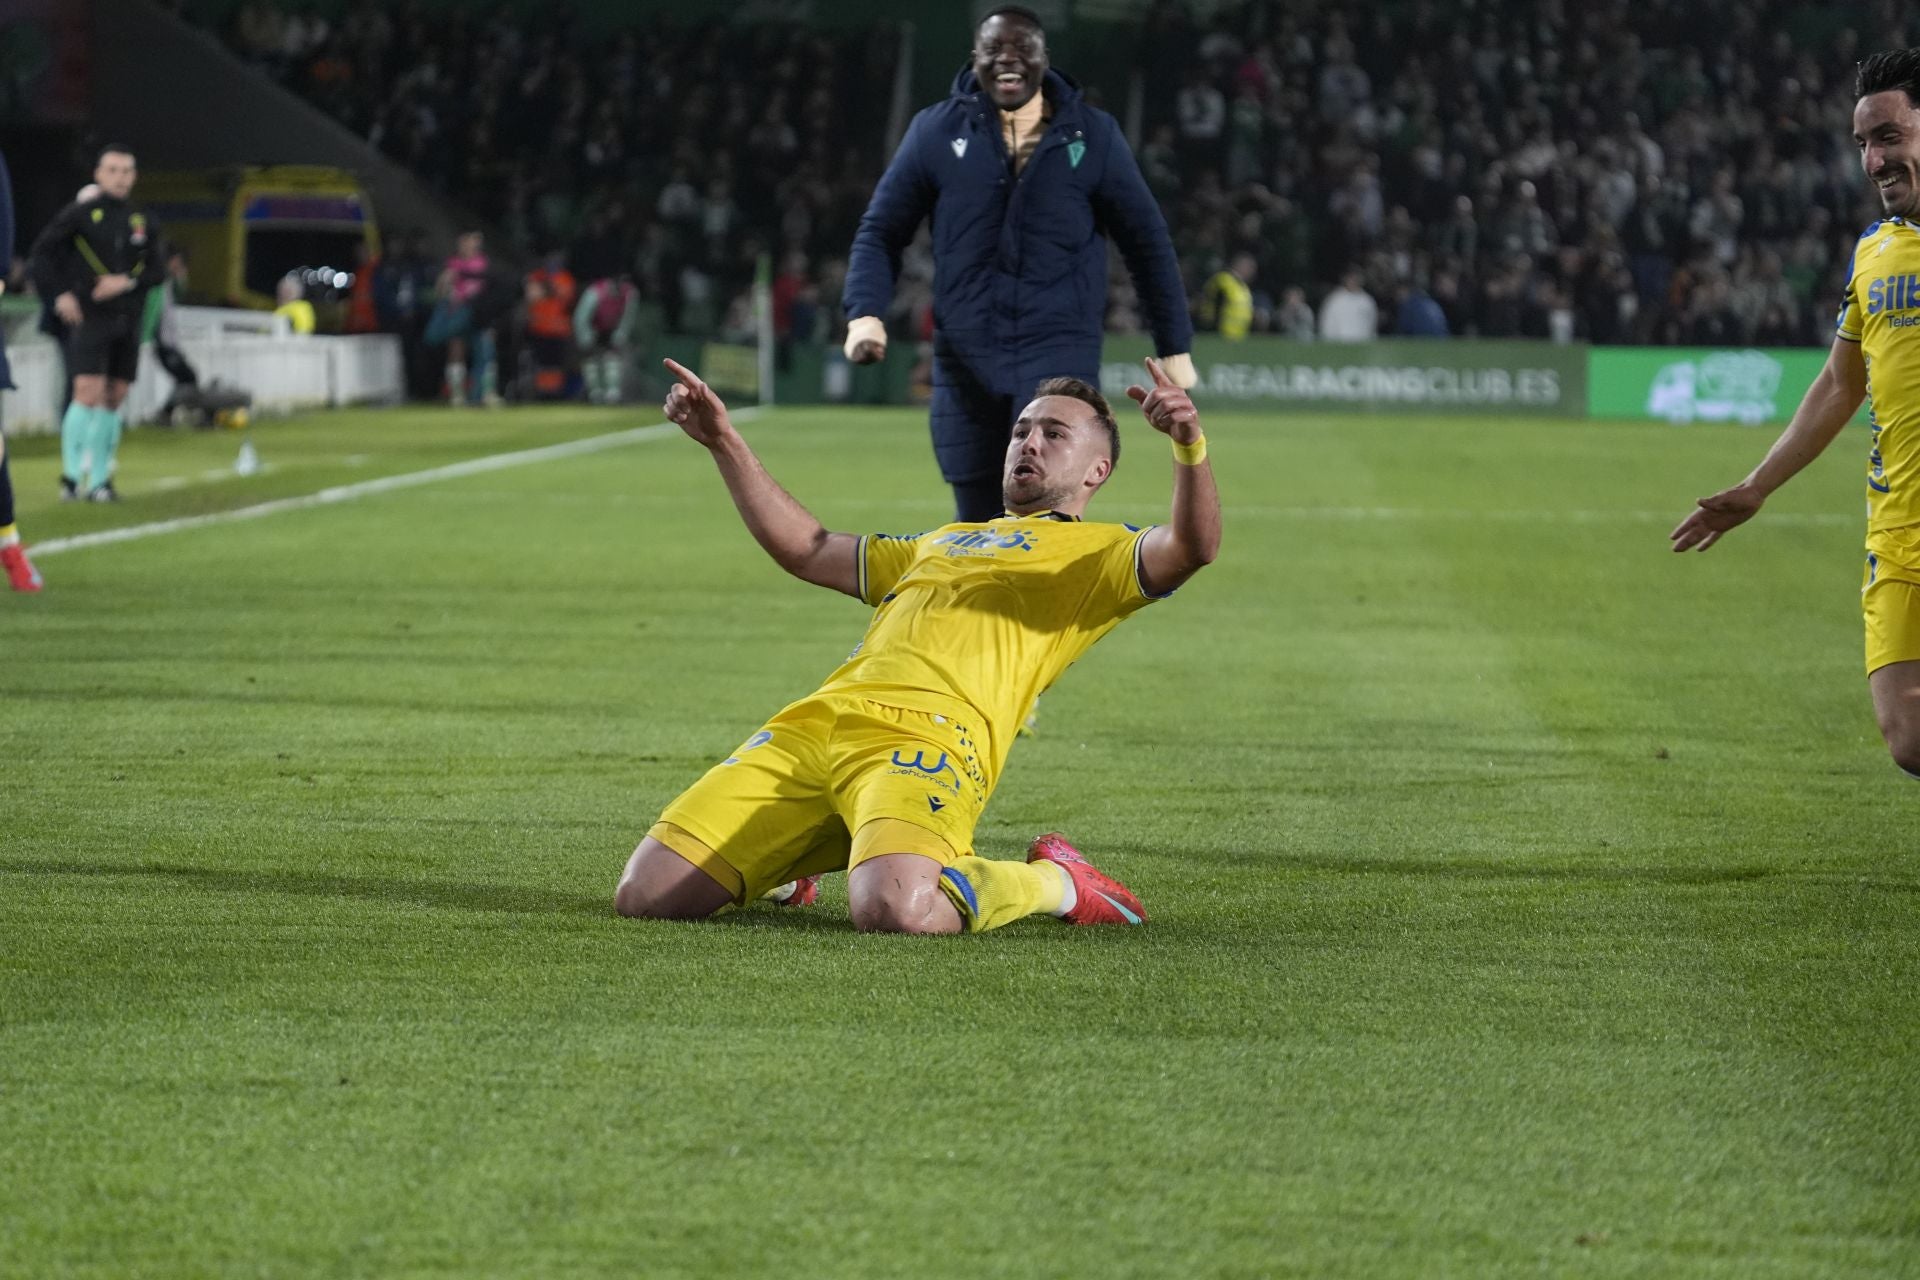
<point x="986" y="616"/>
<point x="1881" y="312"/>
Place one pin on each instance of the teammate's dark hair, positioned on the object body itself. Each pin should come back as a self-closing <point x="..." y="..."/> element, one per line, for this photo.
<point x="1889" y="69"/>
<point x="1088" y="394"/>
<point x="1012" y="11"/>
<point x="113" y="149"/>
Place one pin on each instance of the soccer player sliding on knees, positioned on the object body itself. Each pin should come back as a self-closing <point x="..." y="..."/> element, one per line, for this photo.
<point x="885" y="769"/>
<point x="1876" y="328"/>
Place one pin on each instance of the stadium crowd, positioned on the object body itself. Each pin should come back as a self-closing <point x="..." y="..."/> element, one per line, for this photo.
<point x="1619" y="172"/>
<point x="1649" y="172"/>
<point x="642" y="154"/>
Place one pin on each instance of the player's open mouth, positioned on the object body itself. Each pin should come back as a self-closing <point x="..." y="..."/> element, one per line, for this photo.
<point x="1009" y="80"/>
<point x="1025" y="470"/>
<point x="1887" y="182"/>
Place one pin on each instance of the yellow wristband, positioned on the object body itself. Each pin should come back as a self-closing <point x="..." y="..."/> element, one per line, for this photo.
<point x="1190" y="455"/>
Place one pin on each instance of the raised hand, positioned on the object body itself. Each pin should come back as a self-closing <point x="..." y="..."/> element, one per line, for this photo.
<point x="692" y="404"/>
<point x="1715" y="515"/>
<point x="1167" y="407"/>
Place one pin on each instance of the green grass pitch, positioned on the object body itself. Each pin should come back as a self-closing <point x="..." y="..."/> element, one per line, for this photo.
<point x="1526" y="900"/>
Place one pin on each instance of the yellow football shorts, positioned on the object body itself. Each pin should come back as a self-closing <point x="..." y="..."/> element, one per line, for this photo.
<point x="1890" y="597"/>
<point x="829" y="782"/>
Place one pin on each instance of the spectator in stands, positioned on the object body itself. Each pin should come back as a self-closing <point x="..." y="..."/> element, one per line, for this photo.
<point x="363" y="315"/>
<point x="1294" y="320"/>
<point x="604" y="323"/>
<point x="546" y="136"/>
<point x="291" y="296"/>
<point x="1203" y="118"/>
<point x="1419" y="316"/>
<point x="602" y="249"/>
<point x="1349" y="313"/>
<point x="463" y="279"/>
<point x="1590" y="138"/>
<point x="1556" y="163"/>
<point x="402" y="292"/>
<point x="551" y="295"/>
<point x="1227" y="300"/>
<point x="795" y="303"/>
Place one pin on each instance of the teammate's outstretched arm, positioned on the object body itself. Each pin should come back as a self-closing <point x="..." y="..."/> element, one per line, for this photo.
<point x="1828" y="406"/>
<point x="787" y="530"/>
<point x="1188" y="542"/>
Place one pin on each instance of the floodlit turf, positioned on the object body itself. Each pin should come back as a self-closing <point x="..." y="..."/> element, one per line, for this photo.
<point x="1526" y="900"/>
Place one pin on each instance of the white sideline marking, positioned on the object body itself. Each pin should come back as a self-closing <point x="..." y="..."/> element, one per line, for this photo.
<point x="166" y="484"/>
<point x="364" y="488"/>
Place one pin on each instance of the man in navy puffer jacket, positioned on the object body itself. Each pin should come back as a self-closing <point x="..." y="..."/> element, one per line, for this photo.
<point x="1023" y="182"/>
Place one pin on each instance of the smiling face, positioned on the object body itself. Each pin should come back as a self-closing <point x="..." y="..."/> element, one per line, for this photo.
<point x="1886" y="129"/>
<point x="1009" y="60"/>
<point x="1058" y="457"/>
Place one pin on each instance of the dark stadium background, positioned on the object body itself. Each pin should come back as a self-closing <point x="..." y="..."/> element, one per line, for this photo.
<point x="1650" y="173"/>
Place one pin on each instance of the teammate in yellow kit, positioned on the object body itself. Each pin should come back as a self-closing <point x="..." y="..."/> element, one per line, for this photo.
<point x="1876" y="352"/>
<point x="885" y="769"/>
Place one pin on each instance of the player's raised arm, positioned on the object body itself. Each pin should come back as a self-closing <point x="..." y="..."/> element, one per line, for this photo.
<point x="901" y="202"/>
<point x="1132" y="217"/>
<point x="1829" y="405"/>
<point x="787" y="530"/>
<point x="1188" y="542"/>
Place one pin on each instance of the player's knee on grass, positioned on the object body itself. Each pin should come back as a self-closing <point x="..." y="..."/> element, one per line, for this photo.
<point x="900" y="893"/>
<point x="659" y="884"/>
<point x="1904" y="746"/>
<point x="1902" y="736"/>
<point x="1900" y="728"/>
<point x="1896" y="706"/>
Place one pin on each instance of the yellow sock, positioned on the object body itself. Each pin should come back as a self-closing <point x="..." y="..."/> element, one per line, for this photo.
<point x="990" y="892"/>
<point x="9" y="533"/>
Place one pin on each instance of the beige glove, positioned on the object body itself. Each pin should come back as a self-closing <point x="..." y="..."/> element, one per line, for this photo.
<point x="1180" y="369"/>
<point x="862" y="330"/>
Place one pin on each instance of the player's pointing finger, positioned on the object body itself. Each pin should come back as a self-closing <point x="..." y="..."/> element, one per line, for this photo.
<point x="1160" y="378"/>
<point x="688" y="378"/>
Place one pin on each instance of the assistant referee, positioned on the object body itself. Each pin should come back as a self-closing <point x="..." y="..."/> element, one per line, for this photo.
<point x="96" y="260"/>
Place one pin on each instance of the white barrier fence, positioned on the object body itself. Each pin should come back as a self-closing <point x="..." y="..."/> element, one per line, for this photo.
<point x="251" y="350"/>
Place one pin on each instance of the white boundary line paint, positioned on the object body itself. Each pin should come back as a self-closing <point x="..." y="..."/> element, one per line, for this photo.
<point x="366" y="488"/>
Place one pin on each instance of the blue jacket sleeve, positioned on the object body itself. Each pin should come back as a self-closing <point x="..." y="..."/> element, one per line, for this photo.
<point x="1131" y="216"/>
<point x="901" y="201"/>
